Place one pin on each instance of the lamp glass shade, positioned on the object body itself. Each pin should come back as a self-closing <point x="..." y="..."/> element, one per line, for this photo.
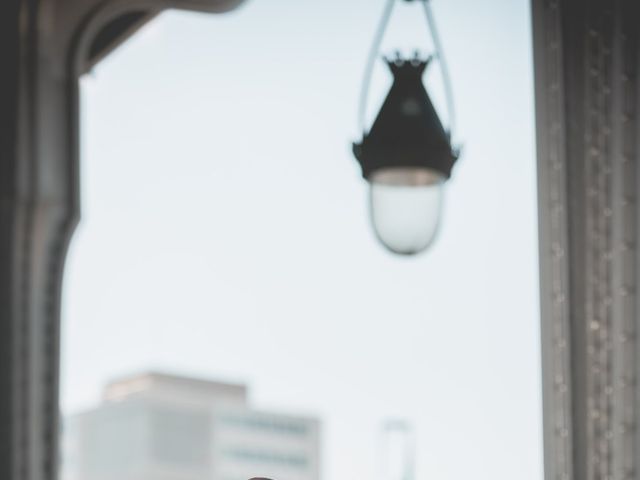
<point x="406" y="203"/>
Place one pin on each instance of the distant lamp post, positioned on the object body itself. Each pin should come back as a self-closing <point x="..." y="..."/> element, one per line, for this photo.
<point x="407" y="155"/>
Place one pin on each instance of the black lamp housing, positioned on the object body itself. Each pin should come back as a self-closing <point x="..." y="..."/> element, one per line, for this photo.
<point x="407" y="132"/>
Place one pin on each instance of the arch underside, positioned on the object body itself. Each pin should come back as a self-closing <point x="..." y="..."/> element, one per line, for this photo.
<point x="114" y="33"/>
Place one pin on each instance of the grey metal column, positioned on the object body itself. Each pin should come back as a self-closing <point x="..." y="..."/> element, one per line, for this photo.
<point x="45" y="45"/>
<point x="587" y="93"/>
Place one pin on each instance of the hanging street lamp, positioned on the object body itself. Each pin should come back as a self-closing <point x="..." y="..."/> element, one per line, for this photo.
<point x="407" y="154"/>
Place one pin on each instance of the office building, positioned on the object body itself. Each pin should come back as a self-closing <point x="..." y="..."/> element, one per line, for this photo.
<point x="164" y="427"/>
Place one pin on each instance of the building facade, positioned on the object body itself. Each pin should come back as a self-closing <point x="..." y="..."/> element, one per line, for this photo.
<point x="163" y="427"/>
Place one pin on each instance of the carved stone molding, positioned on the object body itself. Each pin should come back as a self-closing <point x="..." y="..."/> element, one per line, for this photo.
<point x="587" y="93"/>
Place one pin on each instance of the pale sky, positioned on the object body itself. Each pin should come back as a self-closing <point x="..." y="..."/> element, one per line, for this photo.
<point x="225" y="233"/>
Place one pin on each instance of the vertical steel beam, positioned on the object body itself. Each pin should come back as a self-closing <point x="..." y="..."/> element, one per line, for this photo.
<point x="587" y="91"/>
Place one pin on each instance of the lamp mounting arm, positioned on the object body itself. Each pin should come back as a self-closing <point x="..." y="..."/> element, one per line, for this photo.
<point x="439" y="56"/>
